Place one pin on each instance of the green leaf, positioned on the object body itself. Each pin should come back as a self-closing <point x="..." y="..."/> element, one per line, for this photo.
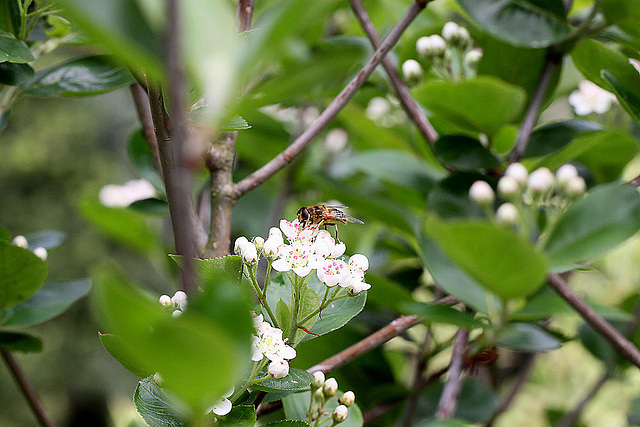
<point x="526" y="337"/>
<point x="498" y="259"/>
<point x="286" y="423"/>
<point x="49" y="301"/>
<point x="627" y="95"/>
<point x="212" y="270"/>
<point x="450" y="197"/>
<point x="142" y="160"/>
<point x="283" y="315"/>
<point x="48" y="239"/>
<point x="18" y="341"/>
<point x="386" y="292"/>
<point x="590" y="227"/>
<point x="296" y="380"/>
<point x="118" y="350"/>
<point x="120" y="26"/>
<point x="151" y="206"/>
<point x="79" y="77"/>
<point x="21" y="274"/>
<point x="453" y="280"/>
<point x="438" y="313"/>
<point x="240" y="415"/>
<point x="155" y="407"/>
<point x="13" y="74"/>
<point x="520" y="22"/>
<point x="552" y="137"/>
<point x="296" y="406"/>
<point x="13" y="50"/>
<point x="464" y="153"/>
<point x="483" y="104"/>
<point x="126" y="226"/>
<point x="624" y="14"/>
<point x="598" y="345"/>
<point x="451" y="422"/>
<point x="197" y="354"/>
<point x="235" y="123"/>
<point x="591" y="57"/>
<point x="9" y="18"/>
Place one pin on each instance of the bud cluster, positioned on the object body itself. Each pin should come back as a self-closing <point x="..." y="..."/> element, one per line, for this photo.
<point x="525" y="194"/>
<point x="21" y="242"/>
<point x="177" y="303"/>
<point x="322" y="390"/>
<point x="450" y="55"/>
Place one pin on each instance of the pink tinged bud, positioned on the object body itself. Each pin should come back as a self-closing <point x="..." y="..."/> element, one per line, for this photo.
<point x="330" y="387"/>
<point x="41" y="253"/>
<point x="481" y="193"/>
<point x="347" y="399"/>
<point x="279" y="369"/>
<point x="20" y="241"/>
<point x="518" y="172"/>
<point x="340" y="414"/>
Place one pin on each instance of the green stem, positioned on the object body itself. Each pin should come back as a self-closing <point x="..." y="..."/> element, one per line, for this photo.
<point x="295" y="299"/>
<point x="261" y="295"/>
<point x="257" y="367"/>
<point x="267" y="277"/>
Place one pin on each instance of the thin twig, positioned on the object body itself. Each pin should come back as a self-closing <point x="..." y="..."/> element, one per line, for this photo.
<point x="521" y="380"/>
<point x="449" y="397"/>
<point x="622" y="345"/>
<point x="27" y="391"/>
<point x="141" y="102"/>
<point x="244" y="12"/>
<point x="293" y="150"/>
<point x="569" y="419"/>
<point x="410" y="106"/>
<point x="531" y="116"/>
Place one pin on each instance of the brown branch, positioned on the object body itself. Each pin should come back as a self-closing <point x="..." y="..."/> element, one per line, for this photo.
<point x="622" y="345"/>
<point x="293" y="150"/>
<point x="410" y="106"/>
<point x="531" y="116"/>
<point x="141" y="102"/>
<point x="635" y="181"/>
<point x="521" y="380"/>
<point x="449" y="397"/>
<point x="569" y="419"/>
<point x="244" y="12"/>
<point x="28" y="392"/>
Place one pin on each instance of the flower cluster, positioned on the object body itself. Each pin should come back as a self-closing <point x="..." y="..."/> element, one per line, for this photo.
<point x="321" y="391"/>
<point x="450" y="56"/>
<point x="522" y="190"/>
<point x="590" y="98"/>
<point x="268" y="342"/>
<point x="22" y="242"/>
<point x="177" y="303"/>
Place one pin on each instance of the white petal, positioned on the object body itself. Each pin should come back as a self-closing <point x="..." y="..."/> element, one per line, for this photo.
<point x="287" y="352"/>
<point x="281" y="265"/>
<point x="222" y="408"/>
<point x="302" y="271"/>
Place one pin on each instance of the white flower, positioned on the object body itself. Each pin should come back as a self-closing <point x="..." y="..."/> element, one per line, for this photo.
<point x="249" y="253"/>
<point x="298" y="257"/>
<point x="590" y="98"/>
<point x="123" y="195"/>
<point x="540" y="181"/>
<point x="165" y="301"/>
<point x="41" y="253"/>
<point x="295" y="231"/>
<point x="257" y="319"/>
<point x="481" y="193"/>
<point x="330" y="387"/>
<point x="347" y="399"/>
<point x="431" y="46"/>
<point x="566" y="173"/>
<point x="359" y="262"/>
<point x="507" y="214"/>
<point x="223" y="407"/>
<point x="279" y="369"/>
<point x="271" y="246"/>
<point x="333" y="271"/>
<point x="269" y="343"/>
<point x="340" y="414"/>
<point x="508" y="187"/>
<point x="326" y="246"/>
<point x="355" y="287"/>
<point x="336" y="140"/>
<point x="576" y="187"/>
<point x="20" y="241"/>
<point x="377" y="109"/>
<point x="518" y="172"/>
<point x="179" y="300"/>
<point x="411" y="70"/>
<point x="239" y="244"/>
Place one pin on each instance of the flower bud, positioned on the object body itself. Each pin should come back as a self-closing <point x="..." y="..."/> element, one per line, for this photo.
<point x="176" y="313"/>
<point x="540" y="181"/>
<point x="20" y="241"/>
<point x="359" y="262"/>
<point x="318" y="396"/>
<point x="258" y="243"/>
<point x="481" y="193"/>
<point x="270" y="248"/>
<point x="507" y="214"/>
<point x="41" y="253"/>
<point x="340" y="414"/>
<point x="431" y="46"/>
<point x="335" y="140"/>
<point x="249" y="253"/>
<point x="355" y="287"/>
<point x="318" y="380"/>
<point x="412" y="71"/>
<point x="239" y="244"/>
<point x="518" y="172"/>
<point x="455" y="34"/>
<point x="576" y="187"/>
<point x="179" y="300"/>
<point x="347" y="398"/>
<point x="330" y="387"/>
<point x="279" y="369"/>
<point x="508" y="188"/>
<point x="473" y="57"/>
<point x="165" y="301"/>
<point x="565" y="173"/>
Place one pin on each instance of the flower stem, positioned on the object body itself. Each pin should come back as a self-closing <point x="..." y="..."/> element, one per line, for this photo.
<point x="251" y="275"/>
<point x="257" y="367"/>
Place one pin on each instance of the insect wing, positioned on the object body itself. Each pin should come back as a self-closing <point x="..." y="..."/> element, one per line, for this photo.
<point x="352" y="219"/>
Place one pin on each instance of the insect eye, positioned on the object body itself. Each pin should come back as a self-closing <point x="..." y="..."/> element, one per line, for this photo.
<point x="304" y="214"/>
